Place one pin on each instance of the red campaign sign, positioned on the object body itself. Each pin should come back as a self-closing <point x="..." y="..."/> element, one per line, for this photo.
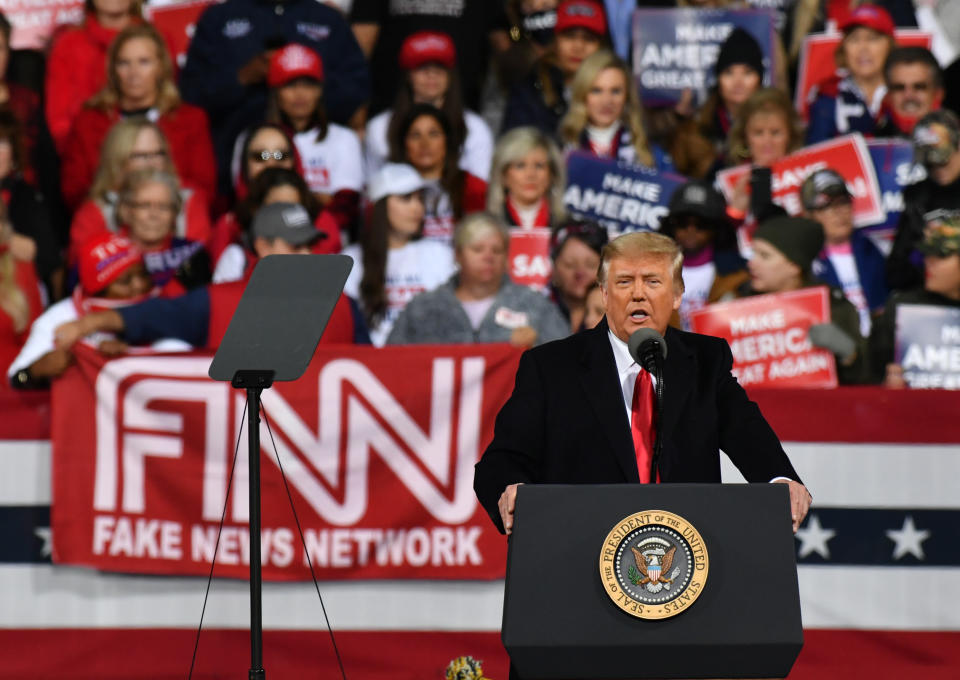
<point x="768" y="338"/>
<point x="34" y="21"/>
<point x="529" y="257"/>
<point x="817" y="61"/>
<point x="848" y="155"/>
<point x="378" y="449"/>
<point x="176" y="20"/>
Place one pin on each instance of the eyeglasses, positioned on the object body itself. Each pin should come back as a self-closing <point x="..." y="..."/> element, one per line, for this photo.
<point x="903" y="87"/>
<point x="266" y="155"/>
<point x="147" y="155"/>
<point x="153" y="205"/>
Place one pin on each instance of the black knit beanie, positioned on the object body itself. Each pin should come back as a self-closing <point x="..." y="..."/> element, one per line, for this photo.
<point x="798" y="238"/>
<point x="740" y="48"/>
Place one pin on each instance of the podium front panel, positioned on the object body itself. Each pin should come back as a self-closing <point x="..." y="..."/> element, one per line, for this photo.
<point x="560" y="623"/>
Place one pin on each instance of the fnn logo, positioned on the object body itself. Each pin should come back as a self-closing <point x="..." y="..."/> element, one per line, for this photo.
<point x="334" y="459"/>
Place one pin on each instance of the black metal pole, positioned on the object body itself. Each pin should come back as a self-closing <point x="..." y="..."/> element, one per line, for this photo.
<point x="256" y="594"/>
<point x="658" y="441"/>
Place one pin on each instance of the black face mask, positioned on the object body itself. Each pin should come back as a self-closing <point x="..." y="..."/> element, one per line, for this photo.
<point x="539" y="26"/>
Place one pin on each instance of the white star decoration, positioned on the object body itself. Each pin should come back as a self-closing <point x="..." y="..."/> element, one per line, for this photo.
<point x="908" y="539"/>
<point x="44" y="534"/>
<point x="813" y="538"/>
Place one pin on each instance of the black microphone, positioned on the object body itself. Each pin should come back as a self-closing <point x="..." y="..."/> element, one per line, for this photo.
<point x="648" y="348"/>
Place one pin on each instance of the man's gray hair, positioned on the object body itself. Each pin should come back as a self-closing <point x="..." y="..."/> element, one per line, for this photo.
<point x="637" y="243"/>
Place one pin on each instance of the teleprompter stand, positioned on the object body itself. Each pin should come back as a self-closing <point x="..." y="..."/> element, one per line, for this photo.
<point x="272" y="336"/>
<point x="559" y="622"/>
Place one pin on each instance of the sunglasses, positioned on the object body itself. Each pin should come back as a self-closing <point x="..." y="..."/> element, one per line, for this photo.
<point x="266" y="155"/>
<point x="903" y="87"/>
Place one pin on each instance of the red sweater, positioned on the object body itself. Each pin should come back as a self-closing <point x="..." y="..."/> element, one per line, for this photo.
<point x="186" y="131"/>
<point x="89" y="221"/>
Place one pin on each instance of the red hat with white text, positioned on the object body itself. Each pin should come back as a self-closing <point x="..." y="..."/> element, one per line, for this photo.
<point x="103" y="259"/>
<point x="291" y="62"/>
<point x="581" y="14"/>
<point x="870" y="16"/>
<point x="427" y="47"/>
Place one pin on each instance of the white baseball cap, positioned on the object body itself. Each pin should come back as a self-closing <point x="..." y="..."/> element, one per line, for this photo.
<point x="394" y="179"/>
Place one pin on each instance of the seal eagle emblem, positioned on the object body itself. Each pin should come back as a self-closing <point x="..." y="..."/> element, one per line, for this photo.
<point x="654" y="564"/>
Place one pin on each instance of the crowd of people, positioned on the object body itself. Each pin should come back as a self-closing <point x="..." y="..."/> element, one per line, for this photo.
<point x="139" y="191"/>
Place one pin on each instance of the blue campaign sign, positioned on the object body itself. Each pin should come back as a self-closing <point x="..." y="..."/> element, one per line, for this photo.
<point x="675" y="49"/>
<point x="619" y="196"/>
<point x="928" y="346"/>
<point x="895" y="169"/>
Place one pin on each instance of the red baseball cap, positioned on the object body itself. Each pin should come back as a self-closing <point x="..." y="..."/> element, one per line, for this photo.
<point x="581" y="14"/>
<point x="870" y="16"/>
<point x="291" y="62"/>
<point x="103" y="259"/>
<point x="427" y="47"/>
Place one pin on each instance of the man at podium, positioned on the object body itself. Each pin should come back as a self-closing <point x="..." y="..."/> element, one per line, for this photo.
<point x="583" y="411"/>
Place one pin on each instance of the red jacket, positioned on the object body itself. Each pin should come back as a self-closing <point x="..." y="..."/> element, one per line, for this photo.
<point x="76" y="70"/>
<point x="90" y="220"/>
<point x="187" y="134"/>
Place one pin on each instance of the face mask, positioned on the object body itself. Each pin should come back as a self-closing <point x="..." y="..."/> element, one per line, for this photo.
<point x="539" y="26"/>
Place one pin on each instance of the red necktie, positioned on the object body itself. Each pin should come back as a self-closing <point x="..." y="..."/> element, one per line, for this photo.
<point x="641" y="424"/>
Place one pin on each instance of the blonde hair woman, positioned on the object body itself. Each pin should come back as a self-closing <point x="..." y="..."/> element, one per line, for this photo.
<point x="767" y="129"/>
<point x="77" y="60"/>
<point x="606" y="117"/>
<point x="133" y="144"/>
<point x="139" y="82"/>
<point x="527" y="179"/>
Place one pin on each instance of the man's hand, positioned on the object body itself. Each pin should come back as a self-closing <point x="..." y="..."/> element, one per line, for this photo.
<point x="894" y="377"/>
<point x="66" y="335"/>
<point x="524" y="336"/>
<point x="255" y="70"/>
<point x="800" y="500"/>
<point x="506" y="504"/>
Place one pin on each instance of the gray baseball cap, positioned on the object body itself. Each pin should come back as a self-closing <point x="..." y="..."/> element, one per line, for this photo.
<point x="288" y="221"/>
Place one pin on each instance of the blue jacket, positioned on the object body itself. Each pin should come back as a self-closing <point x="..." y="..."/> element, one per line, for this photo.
<point x="871" y="267"/>
<point x="229" y="35"/>
<point x="838" y="108"/>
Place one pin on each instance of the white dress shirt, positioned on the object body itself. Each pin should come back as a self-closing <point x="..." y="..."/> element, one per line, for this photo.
<point x="627" y="371"/>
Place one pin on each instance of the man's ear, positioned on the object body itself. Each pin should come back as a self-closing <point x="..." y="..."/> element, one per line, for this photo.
<point x="677" y="299"/>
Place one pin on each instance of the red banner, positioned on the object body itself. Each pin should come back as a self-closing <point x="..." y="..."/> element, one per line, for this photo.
<point x="176" y="20"/>
<point x="817" y="62"/>
<point x="34" y="21"/>
<point x="378" y="449"/>
<point x="848" y="155"/>
<point x="768" y="335"/>
<point x="529" y="257"/>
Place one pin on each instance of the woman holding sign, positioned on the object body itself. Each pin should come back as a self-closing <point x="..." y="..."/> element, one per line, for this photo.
<point x="850" y="100"/>
<point x="784" y="249"/>
<point x="606" y="117"/>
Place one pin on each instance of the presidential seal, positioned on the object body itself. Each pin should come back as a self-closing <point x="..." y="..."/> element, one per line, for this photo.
<point x="654" y="564"/>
